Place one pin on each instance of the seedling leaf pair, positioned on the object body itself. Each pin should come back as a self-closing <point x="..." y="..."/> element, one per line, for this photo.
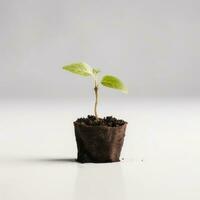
<point x="84" y="69"/>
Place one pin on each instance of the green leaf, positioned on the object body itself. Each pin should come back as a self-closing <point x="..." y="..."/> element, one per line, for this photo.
<point x="82" y="69"/>
<point x="114" y="82"/>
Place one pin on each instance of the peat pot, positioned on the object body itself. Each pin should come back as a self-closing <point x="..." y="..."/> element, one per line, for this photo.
<point x="99" y="144"/>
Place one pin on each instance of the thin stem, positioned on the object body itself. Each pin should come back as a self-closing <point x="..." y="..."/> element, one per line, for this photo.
<point x="96" y="90"/>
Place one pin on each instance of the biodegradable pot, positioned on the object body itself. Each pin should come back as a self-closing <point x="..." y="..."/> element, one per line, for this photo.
<point x="99" y="144"/>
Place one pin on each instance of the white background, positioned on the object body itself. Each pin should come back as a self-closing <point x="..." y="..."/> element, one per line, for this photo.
<point x="152" y="45"/>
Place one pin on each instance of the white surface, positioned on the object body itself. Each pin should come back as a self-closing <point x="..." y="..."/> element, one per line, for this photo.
<point x="161" y="152"/>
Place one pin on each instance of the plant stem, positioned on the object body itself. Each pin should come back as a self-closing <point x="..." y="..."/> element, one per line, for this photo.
<point x="96" y="90"/>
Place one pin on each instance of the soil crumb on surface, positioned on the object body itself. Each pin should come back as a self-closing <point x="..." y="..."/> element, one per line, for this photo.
<point x="106" y="121"/>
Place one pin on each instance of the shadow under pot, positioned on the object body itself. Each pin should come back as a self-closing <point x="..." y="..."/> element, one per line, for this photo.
<point x="99" y="143"/>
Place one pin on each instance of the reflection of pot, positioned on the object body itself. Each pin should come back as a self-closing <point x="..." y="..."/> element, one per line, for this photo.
<point x="100" y="182"/>
<point x="99" y="144"/>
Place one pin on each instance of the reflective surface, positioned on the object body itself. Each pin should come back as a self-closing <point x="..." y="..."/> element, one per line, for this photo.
<point x="161" y="154"/>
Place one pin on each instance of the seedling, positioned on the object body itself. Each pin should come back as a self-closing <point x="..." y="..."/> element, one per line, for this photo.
<point x="99" y="140"/>
<point x="109" y="81"/>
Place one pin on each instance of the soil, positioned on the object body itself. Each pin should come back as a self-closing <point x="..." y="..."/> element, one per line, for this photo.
<point x="99" y="141"/>
<point x="106" y="121"/>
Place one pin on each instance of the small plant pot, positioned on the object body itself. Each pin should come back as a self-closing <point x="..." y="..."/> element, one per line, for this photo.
<point x="99" y="144"/>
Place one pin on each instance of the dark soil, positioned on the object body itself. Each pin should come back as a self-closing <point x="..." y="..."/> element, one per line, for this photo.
<point x="106" y="121"/>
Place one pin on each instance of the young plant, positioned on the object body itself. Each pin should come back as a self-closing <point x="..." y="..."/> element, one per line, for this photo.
<point x="85" y="70"/>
